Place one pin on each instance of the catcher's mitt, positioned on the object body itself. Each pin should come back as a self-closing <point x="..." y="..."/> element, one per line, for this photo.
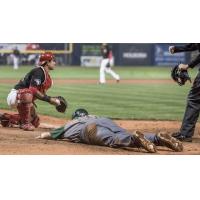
<point x="63" y="104"/>
<point x="180" y="76"/>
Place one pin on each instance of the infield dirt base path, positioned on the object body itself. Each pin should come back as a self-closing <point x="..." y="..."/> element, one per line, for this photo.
<point x="16" y="141"/>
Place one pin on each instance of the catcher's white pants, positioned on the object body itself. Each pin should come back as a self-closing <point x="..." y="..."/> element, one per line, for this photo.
<point x="104" y="69"/>
<point x="12" y="98"/>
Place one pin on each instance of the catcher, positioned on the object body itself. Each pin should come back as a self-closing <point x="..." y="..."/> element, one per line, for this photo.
<point x="193" y="100"/>
<point x="32" y="87"/>
<point x="93" y="130"/>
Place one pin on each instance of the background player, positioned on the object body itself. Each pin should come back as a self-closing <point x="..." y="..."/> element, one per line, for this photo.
<point x="16" y="56"/>
<point x="193" y="100"/>
<point x="106" y="63"/>
<point x="89" y="129"/>
<point x="33" y="86"/>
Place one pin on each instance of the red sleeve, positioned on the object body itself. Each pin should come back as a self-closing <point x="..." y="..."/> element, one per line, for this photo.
<point x="110" y="55"/>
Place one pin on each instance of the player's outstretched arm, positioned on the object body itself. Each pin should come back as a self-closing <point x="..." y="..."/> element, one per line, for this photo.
<point x="44" y="135"/>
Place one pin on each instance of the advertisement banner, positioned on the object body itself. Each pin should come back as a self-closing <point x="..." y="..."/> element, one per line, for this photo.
<point x="164" y="58"/>
<point x="135" y="54"/>
<point x="91" y="61"/>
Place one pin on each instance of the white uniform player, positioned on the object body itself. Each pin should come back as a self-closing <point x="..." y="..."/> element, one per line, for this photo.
<point x="15" y="56"/>
<point x="106" y="64"/>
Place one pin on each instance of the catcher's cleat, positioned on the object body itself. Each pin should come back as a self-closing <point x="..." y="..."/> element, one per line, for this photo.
<point x="143" y="142"/>
<point x="170" y="142"/>
<point x="181" y="137"/>
<point x="27" y="127"/>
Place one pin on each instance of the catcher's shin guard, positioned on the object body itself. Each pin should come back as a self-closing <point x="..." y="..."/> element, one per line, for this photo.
<point x="25" y="98"/>
<point x="35" y="120"/>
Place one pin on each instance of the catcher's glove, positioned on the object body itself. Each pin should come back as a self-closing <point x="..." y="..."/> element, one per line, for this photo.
<point x="180" y="76"/>
<point x="63" y="104"/>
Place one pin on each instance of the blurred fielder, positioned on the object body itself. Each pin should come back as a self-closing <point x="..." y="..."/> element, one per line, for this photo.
<point x="106" y="63"/>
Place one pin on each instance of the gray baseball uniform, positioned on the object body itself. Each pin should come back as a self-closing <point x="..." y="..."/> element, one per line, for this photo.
<point x="108" y="133"/>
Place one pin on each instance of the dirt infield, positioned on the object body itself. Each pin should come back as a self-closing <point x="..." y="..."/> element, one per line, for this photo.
<point x="16" y="141"/>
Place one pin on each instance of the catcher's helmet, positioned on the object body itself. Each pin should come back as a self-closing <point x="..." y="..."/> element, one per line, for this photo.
<point x="46" y="57"/>
<point x="81" y="112"/>
<point x="180" y="76"/>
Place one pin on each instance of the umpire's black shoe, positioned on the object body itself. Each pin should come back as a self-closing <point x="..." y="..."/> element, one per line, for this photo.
<point x="182" y="138"/>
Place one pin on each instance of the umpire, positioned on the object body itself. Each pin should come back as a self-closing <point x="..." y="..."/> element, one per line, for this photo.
<point x="193" y="100"/>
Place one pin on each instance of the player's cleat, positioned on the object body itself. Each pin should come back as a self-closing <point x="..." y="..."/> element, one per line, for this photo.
<point x="143" y="142"/>
<point x="170" y="142"/>
<point x="27" y="127"/>
<point x="118" y="80"/>
<point x="181" y="137"/>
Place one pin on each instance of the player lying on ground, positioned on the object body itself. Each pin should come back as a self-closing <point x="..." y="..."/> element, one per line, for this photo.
<point x="33" y="86"/>
<point x="89" y="129"/>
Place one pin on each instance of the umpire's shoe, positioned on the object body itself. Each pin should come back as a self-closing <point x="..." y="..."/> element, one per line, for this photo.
<point x="141" y="141"/>
<point x="170" y="142"/>
<point x="181" y="137"/>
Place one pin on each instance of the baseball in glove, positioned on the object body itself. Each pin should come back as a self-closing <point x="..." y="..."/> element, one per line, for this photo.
<point x="180" y="76"/>
<point x="63" y="104"/>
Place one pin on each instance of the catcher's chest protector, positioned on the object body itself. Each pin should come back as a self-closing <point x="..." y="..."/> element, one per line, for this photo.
<point x="46" y="84"/>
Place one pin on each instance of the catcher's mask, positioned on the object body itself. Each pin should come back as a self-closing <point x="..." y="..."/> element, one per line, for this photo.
<point x="180" y="76"/>
<point x="81" y="112"/>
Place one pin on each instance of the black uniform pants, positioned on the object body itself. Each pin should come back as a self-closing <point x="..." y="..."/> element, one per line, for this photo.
<point x="192" y="109"/>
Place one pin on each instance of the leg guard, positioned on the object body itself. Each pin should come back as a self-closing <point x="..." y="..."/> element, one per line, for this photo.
<point x="24" y="99"/>
<point x="35" y="120"/>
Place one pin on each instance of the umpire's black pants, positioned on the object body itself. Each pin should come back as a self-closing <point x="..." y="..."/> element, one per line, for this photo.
<point x="192" y="109"/>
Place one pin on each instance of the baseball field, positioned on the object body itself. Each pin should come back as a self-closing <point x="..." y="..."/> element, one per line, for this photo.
<point x="146" y="99"/>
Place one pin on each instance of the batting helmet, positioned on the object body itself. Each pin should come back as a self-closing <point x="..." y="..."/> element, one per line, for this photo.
<point x="46" y="57"/>
<point x="81" y="112"/>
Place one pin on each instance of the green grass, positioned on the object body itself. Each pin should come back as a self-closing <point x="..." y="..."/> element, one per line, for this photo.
<point x="93" y="73"/>
<point x="118" y="101"/>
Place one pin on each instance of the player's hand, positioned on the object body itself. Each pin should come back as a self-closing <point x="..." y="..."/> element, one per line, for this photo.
<point x="183" y="67"/>
<point x="171" y="49"/>
<point x="44" y="135"/>
<point x="54" y="101"/>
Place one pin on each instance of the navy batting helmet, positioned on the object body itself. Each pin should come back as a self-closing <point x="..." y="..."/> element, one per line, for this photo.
<point x="80" y="112"/>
